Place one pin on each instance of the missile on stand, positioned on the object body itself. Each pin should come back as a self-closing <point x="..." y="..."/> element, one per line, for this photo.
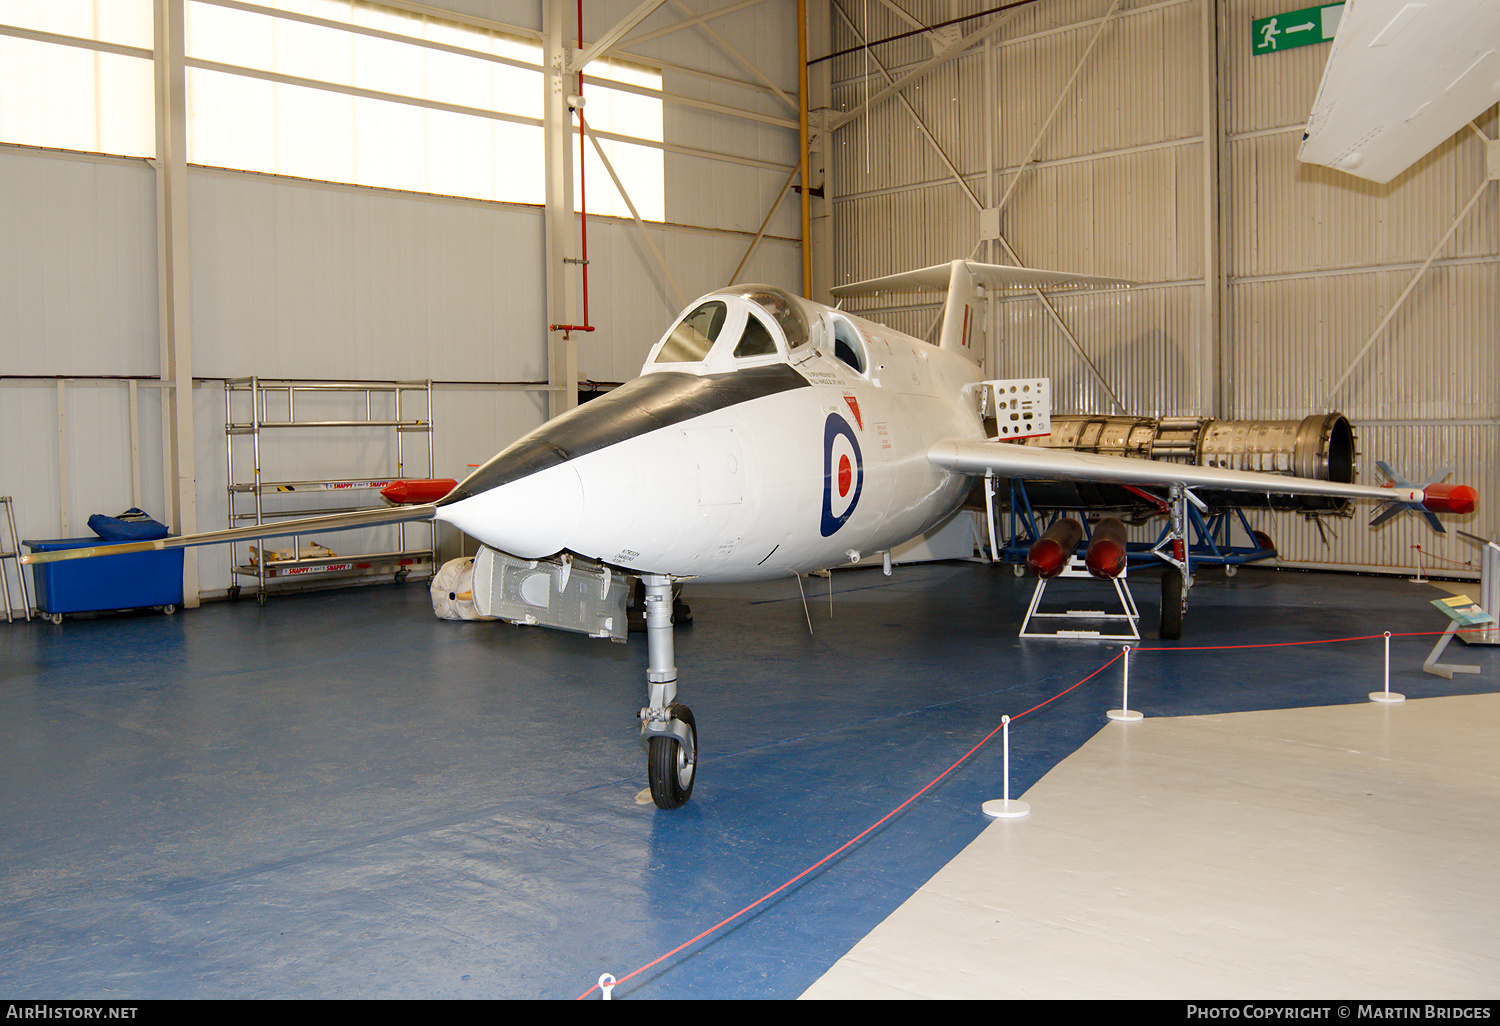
<point x="1105" y="556"/>
<point x="1049" y="554"/>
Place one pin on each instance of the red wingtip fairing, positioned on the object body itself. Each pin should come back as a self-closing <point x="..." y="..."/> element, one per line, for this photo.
<point x="1049" y="554"/>
<point x="402" y="493"/>
<point x="1445" y="498"/>
<point x="1105" y="557"/>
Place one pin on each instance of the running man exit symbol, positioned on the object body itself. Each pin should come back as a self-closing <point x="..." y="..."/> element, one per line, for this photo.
<point x="1268" y="35"/>
<point x="1295" y="28"/>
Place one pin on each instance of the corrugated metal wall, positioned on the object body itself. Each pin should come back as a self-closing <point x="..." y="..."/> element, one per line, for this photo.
<point x="1121" y="184"/>
<point x="299" y="279"/>
<point x="1316" y="259"/>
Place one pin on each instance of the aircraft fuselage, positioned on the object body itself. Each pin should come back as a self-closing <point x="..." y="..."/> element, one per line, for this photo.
<point x="736" y="468"/>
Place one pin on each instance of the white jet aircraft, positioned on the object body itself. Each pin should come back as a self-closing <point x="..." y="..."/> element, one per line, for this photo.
<point x="767" y="436"/>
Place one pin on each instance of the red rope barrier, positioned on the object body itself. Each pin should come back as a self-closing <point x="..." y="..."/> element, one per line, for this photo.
<point x="852" y="841"/>
<point x="1316" y="641"/>
<point x="1468" y="563"/>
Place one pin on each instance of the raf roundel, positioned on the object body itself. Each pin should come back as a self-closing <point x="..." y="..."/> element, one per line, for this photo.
<point x="843" y="473"/>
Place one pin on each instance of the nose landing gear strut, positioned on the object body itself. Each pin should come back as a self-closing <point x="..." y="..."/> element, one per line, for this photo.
<point x="668" y="730"/>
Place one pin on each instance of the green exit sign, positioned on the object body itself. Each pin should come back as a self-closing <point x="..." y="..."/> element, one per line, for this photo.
<point x="1294" y="28"/>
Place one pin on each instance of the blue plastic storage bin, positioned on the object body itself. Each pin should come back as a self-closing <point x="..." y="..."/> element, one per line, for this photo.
<point x="129" y="581"/>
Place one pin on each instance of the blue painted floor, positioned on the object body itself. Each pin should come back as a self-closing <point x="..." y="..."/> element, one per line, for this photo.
<point x="338" y="795"/>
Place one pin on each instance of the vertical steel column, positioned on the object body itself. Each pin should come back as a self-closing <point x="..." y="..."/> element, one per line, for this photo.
<point x="64" y="478"/>
<point x="133" y="401"/>
<point x="172" y="281"/>
<point x="562" y="293"/>
<point x="802" y="147"/>
<point x="1213" y="391"/>
<point x="819" y="101"/>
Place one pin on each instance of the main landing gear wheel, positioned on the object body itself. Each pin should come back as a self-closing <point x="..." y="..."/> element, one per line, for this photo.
<point x="1173" y="604"/>
<point x="670" y="770"/>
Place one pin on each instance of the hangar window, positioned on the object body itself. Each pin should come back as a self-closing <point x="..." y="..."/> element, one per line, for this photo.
<point x="355" y="92"/>
<point x="630" y="110"/>
<point x="333" y="90"/>
<point x="348" y="91"/>
<point x="77" y="75"/>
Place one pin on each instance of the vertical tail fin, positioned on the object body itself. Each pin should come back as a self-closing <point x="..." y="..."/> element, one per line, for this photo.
<point x="963" y="315"/>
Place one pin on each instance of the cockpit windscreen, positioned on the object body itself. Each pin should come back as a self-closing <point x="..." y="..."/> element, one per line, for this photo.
<point x="694" y="335"/>
<point x="785" y="309"/>
<point x="756" y="341"/>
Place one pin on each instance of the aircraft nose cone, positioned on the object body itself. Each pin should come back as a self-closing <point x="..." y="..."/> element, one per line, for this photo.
<point x="530" y="517"/>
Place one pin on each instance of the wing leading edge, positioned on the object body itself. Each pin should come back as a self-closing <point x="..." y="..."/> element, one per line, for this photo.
<point x="331" y="522"/>
<point x="1007" y="459"/>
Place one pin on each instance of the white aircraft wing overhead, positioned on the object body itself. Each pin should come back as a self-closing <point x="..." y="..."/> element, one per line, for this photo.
<point x="994" y="276"/>
<point x="1009" y="459"/>
<point x="1402" y="77"/>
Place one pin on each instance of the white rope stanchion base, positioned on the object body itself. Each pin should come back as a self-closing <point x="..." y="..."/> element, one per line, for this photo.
<point x="1388" y="696"/>
<point x="1005" y="808"/>
<point x="1126" y="713"/>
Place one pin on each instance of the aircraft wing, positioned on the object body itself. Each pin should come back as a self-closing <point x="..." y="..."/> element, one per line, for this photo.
<point x="1401" y="78"/>
<point x="1008" y="459"/>
<point x="280" y="529"/>
<point x="994" y="276"/>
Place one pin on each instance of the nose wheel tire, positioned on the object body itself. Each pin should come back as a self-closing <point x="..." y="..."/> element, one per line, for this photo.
<point x="670" y="772"/>
<point x="1173" y="604"/>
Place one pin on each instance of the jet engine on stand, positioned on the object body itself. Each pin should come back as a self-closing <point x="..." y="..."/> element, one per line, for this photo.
<point x="1320" y="447"/>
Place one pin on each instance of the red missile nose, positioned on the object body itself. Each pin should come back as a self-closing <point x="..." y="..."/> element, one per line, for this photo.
<point x="1047" y="558"/>
<point x="399" y="493"/>
<point x="1105" y="558"/>
<point x="1444" y="498"/>
<point x="1049" y="554"/>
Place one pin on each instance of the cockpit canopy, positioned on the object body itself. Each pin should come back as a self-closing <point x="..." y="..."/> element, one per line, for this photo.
<point x="785" y="308"/>
<point x="747" y="322"/>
